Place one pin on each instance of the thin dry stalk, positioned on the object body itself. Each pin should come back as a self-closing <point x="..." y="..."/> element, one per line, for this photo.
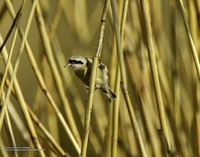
<point x="75" y="94"/>
<point x="197" y="118"/>
<point x="92" y="82"/>
<point x="193" y="23"/>
<point x="10" y="133"/>
<point x="3" y="11"/>
<point x="124" y="80"/>
<point x="8" y="62"/>
<point x="49" y="97"/>
<point x="17" y="88"/>
<point x="187" y="28"/>
<point x="55" y="72"/>
<point x="107" y="147"/>
<point x="47" y="134"/>
<point x="3" y="111"/>
<point x="176" y="83"/>
<point x="52" y="141"/>
<point x="117" y="84"/>
<point x="14" y="24"/>
<point x="71" y="27"/>
<point x="142" y="87"/>
<point x="116" y="115"/>
<point x="23" y="106"/>
<point x="154" y="71"/>
<point x="41" y="82"/>
<point x="18" y="121"/>
<point x="58" y="13"/>
<point x="21" y="46"/>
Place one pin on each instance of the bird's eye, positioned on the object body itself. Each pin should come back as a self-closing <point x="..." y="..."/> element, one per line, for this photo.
<point x="75" y="62"/>
<point x="79" y="62"/>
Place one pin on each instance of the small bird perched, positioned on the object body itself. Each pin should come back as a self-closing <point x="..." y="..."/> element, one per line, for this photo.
<point x="82" y="68"/>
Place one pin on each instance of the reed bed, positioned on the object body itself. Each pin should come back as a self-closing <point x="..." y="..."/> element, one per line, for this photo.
<point x="152" y="51"/>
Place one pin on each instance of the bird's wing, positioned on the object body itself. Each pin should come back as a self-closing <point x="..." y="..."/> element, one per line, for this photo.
<point x="89" y="62"/>
<point x="101" y="65"/>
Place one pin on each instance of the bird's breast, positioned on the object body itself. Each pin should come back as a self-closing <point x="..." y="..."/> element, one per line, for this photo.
<point x="83" y="75"/>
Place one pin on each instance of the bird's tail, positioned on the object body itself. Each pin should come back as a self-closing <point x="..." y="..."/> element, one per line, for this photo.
<point x="109" y="93"/>
<point x="112" y="95"/>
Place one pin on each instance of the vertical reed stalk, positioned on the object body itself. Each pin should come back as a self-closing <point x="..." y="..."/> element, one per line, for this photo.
<point x="124" y="80"/>
<point x="117" y="88"/>
<point x="154" y="69"/>
<point x="92" y="82"/>
<point x="116" y="116"/>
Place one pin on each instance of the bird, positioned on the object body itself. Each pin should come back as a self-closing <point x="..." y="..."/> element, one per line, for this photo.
<point x="82" y="67"/>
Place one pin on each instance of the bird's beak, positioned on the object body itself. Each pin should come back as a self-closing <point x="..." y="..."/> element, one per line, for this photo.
<point x="68" y="65"/>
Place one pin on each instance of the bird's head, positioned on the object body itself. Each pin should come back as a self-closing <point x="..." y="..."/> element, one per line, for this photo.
<point x="77" y="62"/>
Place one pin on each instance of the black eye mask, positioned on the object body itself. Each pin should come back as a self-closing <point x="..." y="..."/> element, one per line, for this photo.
<point x="75" y="62"/>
